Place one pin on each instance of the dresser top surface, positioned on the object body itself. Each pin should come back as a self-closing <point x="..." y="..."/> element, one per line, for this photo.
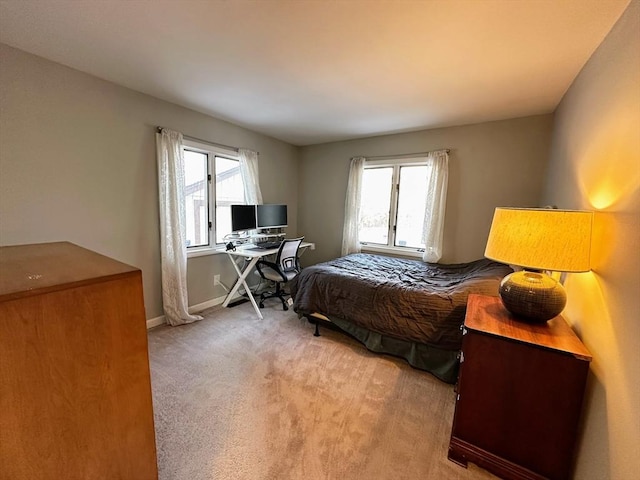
<point x="487" y="315"/>
<point x="39" y="268"/>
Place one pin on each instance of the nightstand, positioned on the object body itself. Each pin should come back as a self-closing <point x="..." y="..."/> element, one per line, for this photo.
<point x="519" y="394"/>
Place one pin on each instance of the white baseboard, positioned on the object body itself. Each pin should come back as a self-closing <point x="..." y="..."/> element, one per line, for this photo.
<point x="208" y="304"/>
<point x="154" y="322"/>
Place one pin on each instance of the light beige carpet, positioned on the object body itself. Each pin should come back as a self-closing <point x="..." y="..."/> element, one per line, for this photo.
<point x="236" y="397"/>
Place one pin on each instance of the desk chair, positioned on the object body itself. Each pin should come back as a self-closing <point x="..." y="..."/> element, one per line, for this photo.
<point x="285" y="267"/>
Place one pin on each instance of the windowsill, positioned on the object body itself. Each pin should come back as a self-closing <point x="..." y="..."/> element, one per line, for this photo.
<point x="202" y="252"/>
<point x="398" y="251"/>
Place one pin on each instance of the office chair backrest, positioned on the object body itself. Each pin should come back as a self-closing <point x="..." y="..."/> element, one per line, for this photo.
<point x="287" y="258"/>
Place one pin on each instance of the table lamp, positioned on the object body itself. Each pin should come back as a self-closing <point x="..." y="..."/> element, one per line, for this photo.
<point x="538" y="239"/>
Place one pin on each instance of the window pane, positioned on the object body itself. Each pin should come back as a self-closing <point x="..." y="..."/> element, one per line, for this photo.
<point x="195" y="182"/>
<point x="229" y="190"/>
<point x="374" y="205"/>
<point x="411" y="206"/>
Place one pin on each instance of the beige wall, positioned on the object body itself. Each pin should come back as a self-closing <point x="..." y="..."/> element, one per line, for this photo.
<point x="78" y="163"/>
<point x="595" y="165"/>
<point x="490" y="164"/>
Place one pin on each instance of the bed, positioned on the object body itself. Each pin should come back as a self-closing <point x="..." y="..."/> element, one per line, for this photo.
<point x="402" y="307"/>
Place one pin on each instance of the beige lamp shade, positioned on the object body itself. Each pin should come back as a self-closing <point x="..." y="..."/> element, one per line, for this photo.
<point x="538" y="239"/>
<point x="541" y="239"/>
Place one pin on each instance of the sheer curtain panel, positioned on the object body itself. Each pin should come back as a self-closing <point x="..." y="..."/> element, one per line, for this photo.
<point x="173" y="248"/>
<point x="436" y="198"/>
<point x="250" y="178"/>
<point x="350" y="241"/>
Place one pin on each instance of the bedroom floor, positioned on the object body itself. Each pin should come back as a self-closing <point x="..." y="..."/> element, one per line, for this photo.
<point x="236" y="397"/>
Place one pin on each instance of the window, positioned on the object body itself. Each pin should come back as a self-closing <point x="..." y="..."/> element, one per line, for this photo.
<point x="196" y="191"/>
<point x="208" y="212"/>
<point x="393" y="203"/>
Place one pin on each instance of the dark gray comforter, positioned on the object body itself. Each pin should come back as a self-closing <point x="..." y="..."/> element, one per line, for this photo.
<point x="405" y="299"/>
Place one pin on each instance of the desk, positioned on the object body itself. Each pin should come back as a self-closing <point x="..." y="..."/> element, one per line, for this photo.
<point x="253" y="254"/>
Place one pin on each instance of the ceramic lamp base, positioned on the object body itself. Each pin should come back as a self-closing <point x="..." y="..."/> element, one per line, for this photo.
<point x="532" y="296"/>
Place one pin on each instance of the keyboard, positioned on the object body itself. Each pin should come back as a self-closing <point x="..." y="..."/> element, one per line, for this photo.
<point x="268" y="245"/>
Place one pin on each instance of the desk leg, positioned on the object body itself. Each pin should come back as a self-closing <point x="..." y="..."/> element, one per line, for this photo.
<point x="242" y="275"/>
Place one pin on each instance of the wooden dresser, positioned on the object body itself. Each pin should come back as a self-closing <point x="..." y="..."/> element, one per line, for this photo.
<point x="520" y="394"/>
<point x="75" y="398"/>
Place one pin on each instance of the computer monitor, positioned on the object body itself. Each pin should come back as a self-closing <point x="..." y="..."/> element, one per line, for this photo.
<point x="271" y="216"/>
<point x="243" y="217"/>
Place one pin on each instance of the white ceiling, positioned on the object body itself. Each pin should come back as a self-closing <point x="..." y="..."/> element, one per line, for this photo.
<point x="313" y="71"/>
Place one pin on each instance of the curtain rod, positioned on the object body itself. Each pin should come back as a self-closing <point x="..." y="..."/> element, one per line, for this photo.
<point x="405" y="155"/>
<point x="208" y="142"/>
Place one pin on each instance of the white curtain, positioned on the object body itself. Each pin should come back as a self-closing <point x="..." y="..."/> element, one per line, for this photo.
<point x="173" y="248"/>
<point x="350" y="241"/>
<point x="436" y="198"/>
<point x="250" y="178"/>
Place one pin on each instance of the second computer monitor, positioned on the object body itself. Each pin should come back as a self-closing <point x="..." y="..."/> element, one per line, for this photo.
<point x="243" y="217"/>
<point x="271" y="216"/>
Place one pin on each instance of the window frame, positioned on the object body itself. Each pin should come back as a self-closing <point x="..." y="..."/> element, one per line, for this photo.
<point x="396" y="163"/>
<point x="211" y="151"/>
